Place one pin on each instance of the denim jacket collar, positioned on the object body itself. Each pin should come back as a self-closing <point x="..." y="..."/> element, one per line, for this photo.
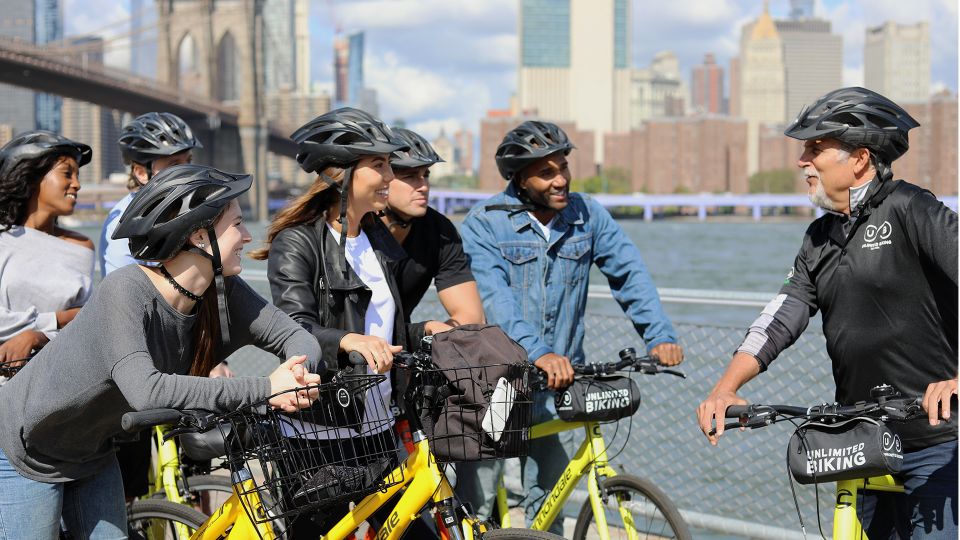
<point x="566" y="218"/>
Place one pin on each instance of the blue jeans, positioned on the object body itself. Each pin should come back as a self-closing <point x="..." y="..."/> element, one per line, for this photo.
<point x="548" y="457"/>
<point x="928" y="507"/>
<point x="92" y="508"/>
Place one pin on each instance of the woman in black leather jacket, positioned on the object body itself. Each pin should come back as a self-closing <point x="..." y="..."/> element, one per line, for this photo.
<point x="332" y="267"/>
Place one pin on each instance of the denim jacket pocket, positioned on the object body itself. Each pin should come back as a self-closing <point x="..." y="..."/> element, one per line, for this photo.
<point x="574" y="259"/>
<point x="522" y="257"/>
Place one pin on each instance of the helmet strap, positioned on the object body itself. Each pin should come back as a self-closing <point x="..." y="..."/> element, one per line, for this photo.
<point x="344" y="193"/>
<point x="221" y="289"/>
<point x="395" y="219"/>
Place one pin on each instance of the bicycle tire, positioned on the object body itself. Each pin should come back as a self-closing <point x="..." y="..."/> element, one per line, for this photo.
<point x="141" y="515"/>
<point x="663" y="522"/>
<point x="218" y="489"/>
<point x="518" y="534"/>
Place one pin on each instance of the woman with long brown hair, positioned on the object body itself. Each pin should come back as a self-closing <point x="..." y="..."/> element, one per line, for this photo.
<point x="145" y="340"/>
<point x="331" y="267"/>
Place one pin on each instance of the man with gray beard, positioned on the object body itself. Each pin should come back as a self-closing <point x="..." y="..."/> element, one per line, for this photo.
<point x="881" y="266"/>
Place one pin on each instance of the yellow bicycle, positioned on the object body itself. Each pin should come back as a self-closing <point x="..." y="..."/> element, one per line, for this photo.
<point x="885" y="406"/>
<point x="275" y="479"/>
<point x="619" y="505"/>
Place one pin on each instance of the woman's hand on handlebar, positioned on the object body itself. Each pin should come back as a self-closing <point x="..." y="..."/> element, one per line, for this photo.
<point x="712" y="411"/>
<point x="558" y="368"/>
<point x="292" y="374"/>
<point x="669" y="354"/>
<point x="377" y="351"/>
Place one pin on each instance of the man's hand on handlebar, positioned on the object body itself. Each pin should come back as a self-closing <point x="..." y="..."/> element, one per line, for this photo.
<point x="712" y="412"/>
<point x="558" y="368"/>
<point x="669" y="354"/>
<point x="936" y="400"/>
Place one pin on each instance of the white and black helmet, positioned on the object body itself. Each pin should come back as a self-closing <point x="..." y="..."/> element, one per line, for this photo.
<point x="859" y="118"/>
<point x="154" y="135"/>
<point x="419" y="153"/>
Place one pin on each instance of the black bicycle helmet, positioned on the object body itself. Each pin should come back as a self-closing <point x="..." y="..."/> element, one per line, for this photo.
<point x="38" y="143"/>
<point x="341" y="137"/>
<point x="420" y="153"/>
<point x="178" y="201"/>
<point x="154" y="135"/>
<point x="857" y="117"/>
<point x="528" y="142"/>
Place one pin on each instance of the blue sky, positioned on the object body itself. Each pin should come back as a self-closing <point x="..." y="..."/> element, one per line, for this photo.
<point x="443" y="63"/>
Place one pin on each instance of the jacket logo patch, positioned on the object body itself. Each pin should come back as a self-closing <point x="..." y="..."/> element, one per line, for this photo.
<point x="874" y="237"/>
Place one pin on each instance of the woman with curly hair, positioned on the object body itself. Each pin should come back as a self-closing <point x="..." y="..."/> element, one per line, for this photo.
<point x="46" y="271"/>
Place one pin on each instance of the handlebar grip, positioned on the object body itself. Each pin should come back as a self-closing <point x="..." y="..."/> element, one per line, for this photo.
<point x="357" y="359"/>
<point x="736" y="411"/>
<point x="135" y="421"/>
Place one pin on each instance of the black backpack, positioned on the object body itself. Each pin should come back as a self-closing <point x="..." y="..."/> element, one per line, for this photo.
<point x="484" y="404"/>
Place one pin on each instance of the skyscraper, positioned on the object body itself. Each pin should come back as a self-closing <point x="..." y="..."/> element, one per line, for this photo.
<point x="762" y="80"/>
<point x="348" y="74"/>
<point x="38" y="22"/>
<point x="812" y="59"/>
<point x="92" y="124"/>
<point x="896" y="61"/>
<point x="568" y="71"/>
<point x="49" y="28"/>
<point x="706" y="82"/>
<point x="286" y="45"/>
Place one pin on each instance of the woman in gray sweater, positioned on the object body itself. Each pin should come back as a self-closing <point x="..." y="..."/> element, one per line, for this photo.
<point x="46" y="271"/>
<point x="144" y="340"/>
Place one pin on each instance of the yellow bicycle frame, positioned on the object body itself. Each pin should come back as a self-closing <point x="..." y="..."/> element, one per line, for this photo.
<point x="590" y="461"/>
<point x="423" y="481"/>
<point x="166" y="475"/>
<point x="845" y="521"/>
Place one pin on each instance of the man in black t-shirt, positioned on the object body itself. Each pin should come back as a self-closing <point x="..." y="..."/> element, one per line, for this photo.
<point x="430" y="240"/>
<point x="881" y="267"/>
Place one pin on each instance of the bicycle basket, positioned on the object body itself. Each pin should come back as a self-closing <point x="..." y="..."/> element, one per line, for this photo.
<point x="598" y="399"/>
<point x="309" y="460"/>
<point x="848" y="450"/>
<point x="483" y="412"/>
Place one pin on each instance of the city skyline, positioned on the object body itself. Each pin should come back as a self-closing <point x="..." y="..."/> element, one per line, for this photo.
<point x="451" y="86"/>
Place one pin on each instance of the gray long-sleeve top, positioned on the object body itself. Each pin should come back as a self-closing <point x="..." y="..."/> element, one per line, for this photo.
<point x="128" y="349"/>
<point x="39" y="276"/>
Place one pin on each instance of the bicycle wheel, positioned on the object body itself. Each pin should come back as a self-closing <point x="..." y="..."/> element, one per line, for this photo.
<point x="635" y="503"/>
<point x="162" y="520"/>
<point x="208" y="491"/>
<point x="518" y="534"/>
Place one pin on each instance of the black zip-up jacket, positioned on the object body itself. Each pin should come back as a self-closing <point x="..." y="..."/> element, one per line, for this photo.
<point x="886" y="283"/>
<point x="305" y="270"/>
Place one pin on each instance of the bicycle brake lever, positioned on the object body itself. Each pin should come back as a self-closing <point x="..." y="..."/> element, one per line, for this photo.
<point x="680" y="374"/>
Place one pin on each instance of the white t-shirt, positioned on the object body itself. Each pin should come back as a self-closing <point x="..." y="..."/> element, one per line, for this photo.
<point x="380" y="315"/>
<point x="545" y="228"/>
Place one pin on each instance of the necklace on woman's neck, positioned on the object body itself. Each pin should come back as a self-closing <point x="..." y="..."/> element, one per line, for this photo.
<point x="177" y="286"/>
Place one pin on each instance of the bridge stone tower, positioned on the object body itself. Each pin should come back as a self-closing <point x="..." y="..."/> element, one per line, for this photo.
<point x="214" y="48"/>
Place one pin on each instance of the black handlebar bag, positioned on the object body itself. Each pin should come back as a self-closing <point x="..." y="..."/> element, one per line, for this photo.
<point x="848" y="450"/>
<point x="598" y="399"/>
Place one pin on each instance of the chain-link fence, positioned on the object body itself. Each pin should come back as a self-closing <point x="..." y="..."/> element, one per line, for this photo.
<point x="740" y="488"/>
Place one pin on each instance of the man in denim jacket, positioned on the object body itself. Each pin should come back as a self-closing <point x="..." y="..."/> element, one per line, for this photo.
<point x="531" y="248"/>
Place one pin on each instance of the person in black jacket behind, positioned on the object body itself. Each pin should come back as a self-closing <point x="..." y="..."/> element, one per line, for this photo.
<point x="332" y="264"/>
<point x="881" y="266"/>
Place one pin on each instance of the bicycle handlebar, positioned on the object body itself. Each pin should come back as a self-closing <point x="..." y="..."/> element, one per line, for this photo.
<point x="192" y="420"/>
<point x="890" y="406"/>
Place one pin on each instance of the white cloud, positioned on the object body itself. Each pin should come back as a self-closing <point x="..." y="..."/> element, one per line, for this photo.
<point x="403" y="89"/>
<point x="430" y="129"/>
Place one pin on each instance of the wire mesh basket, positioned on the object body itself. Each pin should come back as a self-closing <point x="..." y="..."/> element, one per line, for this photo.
<point x="481" y="412"/>
<point x="338" y="450"/>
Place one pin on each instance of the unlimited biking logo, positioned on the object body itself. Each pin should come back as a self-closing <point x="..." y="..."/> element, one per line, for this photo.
<point x="875" y="237"/>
